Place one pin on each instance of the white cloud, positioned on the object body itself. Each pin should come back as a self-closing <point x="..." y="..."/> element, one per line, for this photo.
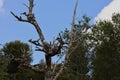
<point x="1" y="6"/>
<point x="106" y="13"/>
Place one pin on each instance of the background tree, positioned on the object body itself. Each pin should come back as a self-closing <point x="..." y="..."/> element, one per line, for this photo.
<point x="3" y="67"/>
<point x="14" y="51"/>
<point x="106" y="35"/>
<point x="76" y="68"/>
<point x="104" y="40"/>
<point x="11" y="68"/>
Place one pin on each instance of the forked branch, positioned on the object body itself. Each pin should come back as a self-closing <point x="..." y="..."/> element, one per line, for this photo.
<point x="30" y="18"/>
<point x="49" y="49"/>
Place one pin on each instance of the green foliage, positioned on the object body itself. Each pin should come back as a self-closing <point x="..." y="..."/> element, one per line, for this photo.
<point x="28" y="74"/>
<point x="3" y="66"/>
<point x="104" y="38"/>
<point x="12" y="67"/>
<point x="65" y="35"/>
<point x="76" y="68"/>
<point x="116" y="18"/>
<point x="15" y="48"/>
<point x="107" y="52"/>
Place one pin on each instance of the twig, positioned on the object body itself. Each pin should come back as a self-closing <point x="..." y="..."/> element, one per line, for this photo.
<point x="19" y="18"/>
<point x="25" y="5"/>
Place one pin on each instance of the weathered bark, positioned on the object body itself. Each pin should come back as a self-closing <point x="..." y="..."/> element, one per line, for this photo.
<point x="50" y="49"/>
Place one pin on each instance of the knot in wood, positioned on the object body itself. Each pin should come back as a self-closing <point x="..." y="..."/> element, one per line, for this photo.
<point x="30" y="17"/>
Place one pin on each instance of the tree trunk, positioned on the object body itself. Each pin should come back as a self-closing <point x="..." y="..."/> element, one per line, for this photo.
<point x="48" y="72"/>
<point x="45" y="46"/>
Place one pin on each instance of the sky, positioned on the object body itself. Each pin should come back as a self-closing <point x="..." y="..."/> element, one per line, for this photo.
<point x="53" y="16"/>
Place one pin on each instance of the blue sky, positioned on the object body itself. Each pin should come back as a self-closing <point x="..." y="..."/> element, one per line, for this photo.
<point x="52" y="15"/>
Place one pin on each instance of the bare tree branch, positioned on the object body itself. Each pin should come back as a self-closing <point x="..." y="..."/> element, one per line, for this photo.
<point x="74" y="14"/>
<point x="69" y="45"/>
<point x="30" y="19"/>
<point x="65" y="62"/>
<point x="25" y="5"/>
<point x="36" y="42"/>
<point x="31" y="5"/>
<point x="19" y="18"/>
<point x="50" y="49"/>
<point x="56" y="63"/>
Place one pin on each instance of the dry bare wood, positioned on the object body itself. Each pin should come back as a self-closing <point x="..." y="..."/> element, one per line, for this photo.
<point x="50" y="49"/>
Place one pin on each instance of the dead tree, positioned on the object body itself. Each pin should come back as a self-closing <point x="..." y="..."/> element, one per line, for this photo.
<point x="50" y="49"/>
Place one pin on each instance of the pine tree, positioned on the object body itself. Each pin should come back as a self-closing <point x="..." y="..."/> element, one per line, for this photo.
<point x="14" y="52"/>
<point x="107" y="51"/>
